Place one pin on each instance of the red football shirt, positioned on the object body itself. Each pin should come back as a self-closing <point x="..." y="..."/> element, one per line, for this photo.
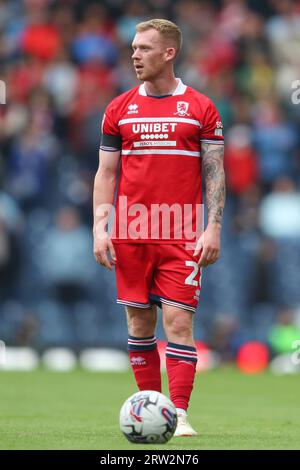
<point x="159" y="196"/>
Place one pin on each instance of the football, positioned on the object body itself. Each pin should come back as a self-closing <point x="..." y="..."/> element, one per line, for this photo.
<point x="148" y="417"/>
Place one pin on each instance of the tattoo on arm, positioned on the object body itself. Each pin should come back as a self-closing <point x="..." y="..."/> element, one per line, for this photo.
<point x="212" y="157"/>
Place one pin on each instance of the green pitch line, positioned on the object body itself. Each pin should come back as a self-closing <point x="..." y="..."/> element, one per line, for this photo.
<point x="79" y="410"/>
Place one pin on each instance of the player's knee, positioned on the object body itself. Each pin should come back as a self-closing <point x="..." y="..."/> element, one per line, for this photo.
<point x="140" y="325"/>
<point x="179" y="327"/>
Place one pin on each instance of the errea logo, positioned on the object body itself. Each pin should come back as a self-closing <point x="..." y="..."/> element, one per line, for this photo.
<point x="132" y="109"/>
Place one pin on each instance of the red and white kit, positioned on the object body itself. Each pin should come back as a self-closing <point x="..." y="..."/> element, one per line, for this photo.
<point x="159" y="197"/>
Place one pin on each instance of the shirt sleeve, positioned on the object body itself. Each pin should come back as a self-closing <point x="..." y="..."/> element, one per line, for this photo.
<point x="111" y="140"/>
<point x="212" y="130"/>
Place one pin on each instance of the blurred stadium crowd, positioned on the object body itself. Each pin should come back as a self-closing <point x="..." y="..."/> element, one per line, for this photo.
<point x="62" y="62"/>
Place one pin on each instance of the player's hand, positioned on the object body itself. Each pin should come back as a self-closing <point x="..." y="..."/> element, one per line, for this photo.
<point x="210" y="244"/>
<point x="103" y="247"/>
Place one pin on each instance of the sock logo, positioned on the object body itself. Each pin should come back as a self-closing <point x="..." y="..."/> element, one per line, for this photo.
<point x="138" y="361"/>
<point x="187" y="362"/>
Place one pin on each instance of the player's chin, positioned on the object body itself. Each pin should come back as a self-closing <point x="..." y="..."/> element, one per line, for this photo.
<point x="138" y="76"/>
<point x="142" y="75"/>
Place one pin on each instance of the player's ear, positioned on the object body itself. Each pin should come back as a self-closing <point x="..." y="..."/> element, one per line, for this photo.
<point x="170" y="53"/>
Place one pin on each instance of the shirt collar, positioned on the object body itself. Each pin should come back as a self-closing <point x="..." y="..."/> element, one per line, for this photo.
<point x="179" y="90"/>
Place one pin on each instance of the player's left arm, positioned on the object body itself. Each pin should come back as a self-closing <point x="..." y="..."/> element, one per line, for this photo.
<point x="213" y="170"/>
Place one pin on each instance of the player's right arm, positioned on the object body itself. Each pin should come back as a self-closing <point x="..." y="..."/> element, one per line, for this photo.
<point x="103" y="198"/>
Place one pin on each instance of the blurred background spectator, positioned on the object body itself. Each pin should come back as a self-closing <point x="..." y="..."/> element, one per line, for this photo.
<point x="62" y="62"/>
<point x="283" y="332"/>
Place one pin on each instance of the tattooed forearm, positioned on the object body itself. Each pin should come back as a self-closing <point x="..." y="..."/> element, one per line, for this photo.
<point x="212" y="157"/>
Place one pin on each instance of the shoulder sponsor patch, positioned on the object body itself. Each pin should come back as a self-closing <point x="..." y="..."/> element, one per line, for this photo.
<point x="218" y="129"/>
<point x="218" y="132"/>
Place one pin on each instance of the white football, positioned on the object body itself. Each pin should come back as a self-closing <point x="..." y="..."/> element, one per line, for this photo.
<point x="148" y="417"/>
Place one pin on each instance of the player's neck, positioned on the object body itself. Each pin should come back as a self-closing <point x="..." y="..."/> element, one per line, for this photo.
<point x="161" y="86"/>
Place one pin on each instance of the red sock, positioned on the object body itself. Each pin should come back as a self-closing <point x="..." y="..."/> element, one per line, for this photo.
<point x="181" y="368"/>
<point x="145" y="362"/>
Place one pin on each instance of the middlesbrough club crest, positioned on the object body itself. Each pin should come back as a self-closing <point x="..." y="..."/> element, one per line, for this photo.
<point x="182" y="108"/>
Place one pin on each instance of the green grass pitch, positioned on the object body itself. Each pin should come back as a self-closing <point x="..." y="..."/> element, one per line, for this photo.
<point x="79" y="410"/>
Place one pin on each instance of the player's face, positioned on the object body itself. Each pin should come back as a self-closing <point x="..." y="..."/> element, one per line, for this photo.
<point x="150" y="54"/>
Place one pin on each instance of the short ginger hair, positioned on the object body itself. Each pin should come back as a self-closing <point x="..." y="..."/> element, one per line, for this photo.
<point x="168" y="30"/>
